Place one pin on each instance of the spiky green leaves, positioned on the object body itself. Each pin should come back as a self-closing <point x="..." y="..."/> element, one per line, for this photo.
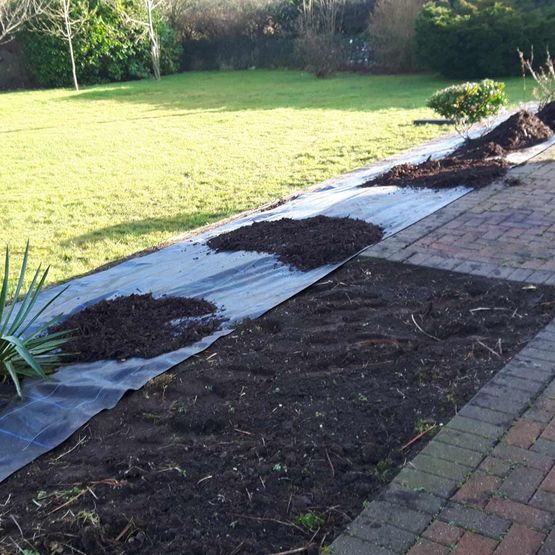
<point x="24" y="352"/>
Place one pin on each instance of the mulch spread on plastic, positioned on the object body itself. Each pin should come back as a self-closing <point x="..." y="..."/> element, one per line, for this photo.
<point x="274" y="438"/>
<point x="304" y="244"/>
<point x="137" y="326"/>
<point x="477" y="163"/>
<point x="441" y="174"/>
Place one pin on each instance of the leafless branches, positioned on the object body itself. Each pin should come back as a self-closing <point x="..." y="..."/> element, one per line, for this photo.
<point x="14" y="14"/>
<point x="544" y="76"/>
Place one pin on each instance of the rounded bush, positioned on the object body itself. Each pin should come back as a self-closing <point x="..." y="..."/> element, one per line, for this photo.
<point x="469" y="103"/>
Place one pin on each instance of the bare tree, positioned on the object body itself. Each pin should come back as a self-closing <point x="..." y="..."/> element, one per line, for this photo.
<point x="14" y="14"/>
<point x="321" y="16"/>
<point x="544" y="76"/>
<point x="392" y="33"/>
<point x="63" y="19"/>
<point x="148" y="24"/>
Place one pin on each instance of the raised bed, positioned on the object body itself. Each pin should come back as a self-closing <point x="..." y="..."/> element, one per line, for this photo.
<point x="275" y="437"/>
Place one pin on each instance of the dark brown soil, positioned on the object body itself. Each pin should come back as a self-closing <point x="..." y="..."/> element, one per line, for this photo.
<point x="304" y="411"/>
<point x="521" y="130"/>
<point x="304" y="244"/>
<point x="440" y="174"/>
<point x="547" y="115"/>
<point x="137" y="326"/>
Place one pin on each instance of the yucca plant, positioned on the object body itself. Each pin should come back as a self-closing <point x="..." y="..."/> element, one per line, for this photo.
<point x="25" y="351"/>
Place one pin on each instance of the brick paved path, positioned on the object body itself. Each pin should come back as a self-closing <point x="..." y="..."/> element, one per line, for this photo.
<point x="499" y="231"/>
<point x="486" y="483"/>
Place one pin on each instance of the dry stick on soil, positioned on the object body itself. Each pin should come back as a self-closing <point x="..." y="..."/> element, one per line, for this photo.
<point x="263" y="519"/>
<point x="417" y="437"/>
<point x="488" y="348"/>
<point x="128" y="527"/>
<point x="70" y="501"/>
<point x="297" y="550"/>
<point x="68" y="451"/>
<point x="423" y="331"/>
<point x="330" y="463"/>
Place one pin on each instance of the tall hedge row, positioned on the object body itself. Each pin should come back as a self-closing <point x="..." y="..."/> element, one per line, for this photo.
<point x="479" y="38"/>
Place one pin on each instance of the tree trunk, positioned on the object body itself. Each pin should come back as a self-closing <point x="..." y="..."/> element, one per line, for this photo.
<point x="69" y="36"/>
<point x="154" y="42"/>
<point x="73" y="68"/>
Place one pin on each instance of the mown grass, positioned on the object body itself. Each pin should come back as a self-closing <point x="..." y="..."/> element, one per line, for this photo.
<point x="94" y="176"/>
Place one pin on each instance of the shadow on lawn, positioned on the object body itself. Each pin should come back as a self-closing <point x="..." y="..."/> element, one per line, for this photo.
<point x="124" y="231"/>
<point x="269" y="90"/>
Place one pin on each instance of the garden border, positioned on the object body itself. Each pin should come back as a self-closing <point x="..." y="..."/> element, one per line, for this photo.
<point x="392" y="523"/>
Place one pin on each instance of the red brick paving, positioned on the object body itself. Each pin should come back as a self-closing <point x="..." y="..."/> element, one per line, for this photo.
<point x="426" y="547"/>
<point x="520" y="540"/>
<point x="524" y="433"/>
<point x="519" y="512"/>
<point x="502" y="231"/>
<point x="549" y="483"/>
<point x="478" y="489"/>
<point x="441" y="532"/>
<point x="475" y="544"/>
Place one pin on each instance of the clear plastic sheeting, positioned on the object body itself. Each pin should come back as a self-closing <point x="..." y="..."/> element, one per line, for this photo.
<point x="242" y="284"/>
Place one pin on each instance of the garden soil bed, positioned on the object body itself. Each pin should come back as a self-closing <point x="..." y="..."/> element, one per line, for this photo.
<point x="440" y="174"/>
<point x="274" y="438"/>
<point x="521" y="130"/>
<point x="137" y="326"/>
<point x="305" y="244"/>
<point x="477" y="163"/>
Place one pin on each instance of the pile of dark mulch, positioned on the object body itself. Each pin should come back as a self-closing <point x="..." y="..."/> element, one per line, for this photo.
<point x="547" y="115"/>
<point x="304" y="244"/>
<point x="302" y="412"/>
<point x="137" y="326"/>
<point x="521" y="130"/>
<point x="440" y="174"/>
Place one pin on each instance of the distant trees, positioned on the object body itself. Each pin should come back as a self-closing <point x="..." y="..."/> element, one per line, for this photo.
<point x="96" y="41"/>
<point x="392" y="34"/>
<point x="479" y="38"/>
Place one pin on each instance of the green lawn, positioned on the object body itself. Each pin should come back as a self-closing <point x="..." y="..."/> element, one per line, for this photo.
<point x="94" y="176"/>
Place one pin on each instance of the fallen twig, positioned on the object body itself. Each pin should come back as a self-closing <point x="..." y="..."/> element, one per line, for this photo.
<point x="417" y="437"/>
<point x="68" y="451"/>
<point x="424" y="331"/>
<point x="70" y="501"/>
<point x="296" y="550"/>
<point x="488" y="348"/>
<point x="265" y="519"/>
<point x="331" y="464"/>
<point x="129" y="526"/>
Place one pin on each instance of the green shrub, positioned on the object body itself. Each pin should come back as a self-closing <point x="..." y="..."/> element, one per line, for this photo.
<point x="469" y="103"/>
<point x="24" y="351"/>
<point x="108" y="48"/>
<point x="479" y="38"/>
